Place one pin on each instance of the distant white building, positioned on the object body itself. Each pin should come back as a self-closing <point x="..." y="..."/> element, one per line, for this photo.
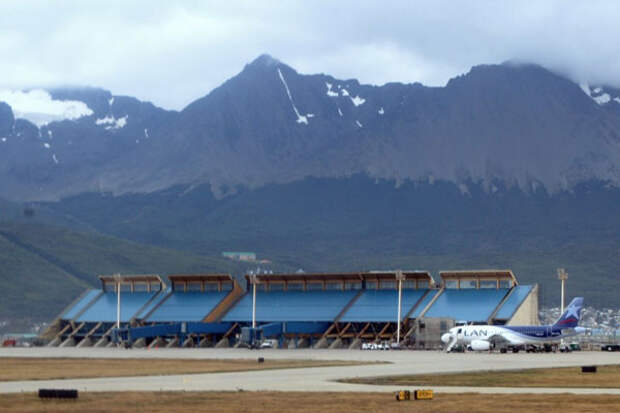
<point x="240" y="256"/>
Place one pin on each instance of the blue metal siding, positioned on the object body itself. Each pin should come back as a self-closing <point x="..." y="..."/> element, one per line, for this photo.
<point x="79" y="306"/>
<point x="513" y="302"/>
<point x="381" y="305"/>
<point x="104" y="309"/>
<point x="306" y="327"/>
<point x="467" y="304"/>
<point x="291" y="306"/>
<point x="187" y="306"/>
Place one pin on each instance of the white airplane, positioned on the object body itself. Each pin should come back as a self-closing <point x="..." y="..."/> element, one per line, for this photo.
<point x="482" y="338"/>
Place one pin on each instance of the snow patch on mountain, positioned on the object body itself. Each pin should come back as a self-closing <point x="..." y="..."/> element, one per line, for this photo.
<point x="300" y="118"/>
<point x="597" y="94"/>
<point x="602" y="99"/>
<point x="357" y="122"/>
<point x="381" y="111"/>
<point x="358" y="100"/>
<point x="586" y="89"/>
<point x="330" y="92"/>
<point x="55" y="159"/>
<point x="38" y="107"/>
<point x="110" y="122"/>
<point x="339" y="112"/>
<point x="344" y="92"/>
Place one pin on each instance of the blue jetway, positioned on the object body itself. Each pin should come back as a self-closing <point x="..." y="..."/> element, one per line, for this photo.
<point x="166" y="330"/>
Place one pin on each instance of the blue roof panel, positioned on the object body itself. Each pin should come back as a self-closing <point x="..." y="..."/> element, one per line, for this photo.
<point x="467" y="304"/>
<point x="104" y="309"/>
<point x="275" y="306"/>
<point x="513" y="302"/>
<point x="187" y="306"/>
<point x="381" y="305"/>
<point x="80" y="305"/>
<point x="427" y="299"/>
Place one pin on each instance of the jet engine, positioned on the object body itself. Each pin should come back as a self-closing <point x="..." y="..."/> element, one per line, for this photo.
<point x="480" y="345"/>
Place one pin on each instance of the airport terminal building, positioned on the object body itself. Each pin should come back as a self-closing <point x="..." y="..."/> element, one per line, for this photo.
<point x="334" y="310"/>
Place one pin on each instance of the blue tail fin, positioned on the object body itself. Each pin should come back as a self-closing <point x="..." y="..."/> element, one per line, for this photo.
<point x="572" y="314"/>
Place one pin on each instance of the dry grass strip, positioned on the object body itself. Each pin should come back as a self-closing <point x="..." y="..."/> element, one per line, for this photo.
<point x="568" y="377"/>
<point x="13" y="369"/>
<point x="255" y="402"/>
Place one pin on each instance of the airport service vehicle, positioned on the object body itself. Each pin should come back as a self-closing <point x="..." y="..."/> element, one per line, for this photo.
<point x="483" y="338"/>
<point x="375" y="346"/>
<point x="268" y="344"/>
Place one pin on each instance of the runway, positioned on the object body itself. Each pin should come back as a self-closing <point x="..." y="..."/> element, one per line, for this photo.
<point x="316" y="379"/>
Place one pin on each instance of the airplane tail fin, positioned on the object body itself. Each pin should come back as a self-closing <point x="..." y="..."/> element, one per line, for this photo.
<point x="572" y="314"/>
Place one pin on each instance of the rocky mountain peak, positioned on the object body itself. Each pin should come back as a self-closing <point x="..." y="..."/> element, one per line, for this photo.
<point x="264" y="60"/>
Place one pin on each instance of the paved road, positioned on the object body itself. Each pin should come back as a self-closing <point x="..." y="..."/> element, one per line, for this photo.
<point x="307" y="379"/>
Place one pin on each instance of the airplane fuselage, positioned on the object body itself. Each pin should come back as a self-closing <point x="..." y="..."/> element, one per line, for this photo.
<point x="514" y="334"/>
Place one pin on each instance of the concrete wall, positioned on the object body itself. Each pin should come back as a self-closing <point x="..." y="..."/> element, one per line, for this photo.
<point x="527" y="313"/>
<point x="428" y="332"/>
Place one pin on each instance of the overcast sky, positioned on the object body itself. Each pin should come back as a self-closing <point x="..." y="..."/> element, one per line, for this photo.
<point x="172" y="54"/>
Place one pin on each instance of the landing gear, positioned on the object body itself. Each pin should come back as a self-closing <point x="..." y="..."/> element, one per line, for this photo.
<point x="512" y="349"/>
<point x="532" y="349"/>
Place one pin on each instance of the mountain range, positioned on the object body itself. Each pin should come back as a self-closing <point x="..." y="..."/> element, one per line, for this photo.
<point x="508" y="165"/>
<point x="517" y="124"/>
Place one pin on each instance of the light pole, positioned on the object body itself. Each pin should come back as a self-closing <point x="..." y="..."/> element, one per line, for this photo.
<point x="562" y="276"/>
<point x="399" y="276"/>
<point x="254" y="281"/>
<point x="117" y="277"/>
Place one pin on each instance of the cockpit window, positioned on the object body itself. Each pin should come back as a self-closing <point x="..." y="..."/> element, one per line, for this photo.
<point x="460" y="330"/>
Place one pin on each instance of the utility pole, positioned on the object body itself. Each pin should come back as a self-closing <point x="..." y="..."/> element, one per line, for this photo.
<point x="399" y="276"/>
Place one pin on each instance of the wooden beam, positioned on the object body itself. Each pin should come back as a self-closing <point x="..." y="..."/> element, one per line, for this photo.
<point x="329" y="330"/>
<point x="384" y="329"/>
<point x="231" y="330"/>
<point x="344" y="330"/>
<point x="363" y="330"/>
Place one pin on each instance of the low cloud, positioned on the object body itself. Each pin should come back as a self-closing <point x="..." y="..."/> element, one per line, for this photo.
<point x="174" y="53"/>
<point x="38" y="107"/>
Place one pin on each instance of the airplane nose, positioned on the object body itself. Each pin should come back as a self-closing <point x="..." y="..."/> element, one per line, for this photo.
<point x="445" y="338"/>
